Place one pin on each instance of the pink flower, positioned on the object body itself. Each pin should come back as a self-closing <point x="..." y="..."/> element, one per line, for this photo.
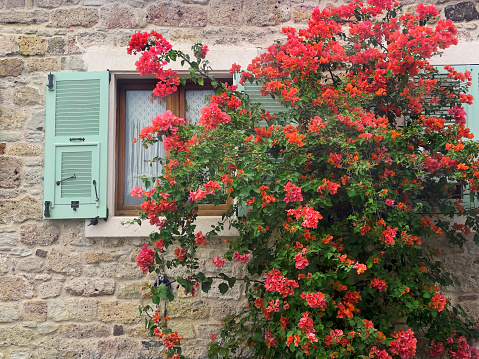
<point x="197" y="195"/>
<point x="293" y="193"/>
<point x="219" y="262"/>
<point x="145" y="258"/>
<point x="200" y="239"/>
<point x="404" y="345"/>
<point x="438" y="301"/>
<point x="379" y="284"/>
<point x="210" y="187"/>
<point x="389" y="202"/>
<point x="361" y="268"/>
<point x="301" y="262"/>
<point x="275" y="282"/>
<point x="436" y="349"/>
<point x="269" y="339"/>
<point x="306" y="324"/>
<point x="315" y="300"/>
<point x="241" y="258"/>
<point x="180" y="253"/>
<point x="204" y="50"/>
<point x="136" y="192"/>
<point x="212" y="116"/>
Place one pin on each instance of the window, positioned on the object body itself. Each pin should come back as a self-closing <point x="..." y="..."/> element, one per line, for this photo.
<point x="135" y="109"/>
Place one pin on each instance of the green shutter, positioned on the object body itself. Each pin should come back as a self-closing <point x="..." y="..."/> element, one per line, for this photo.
<point x="76" y="139"/>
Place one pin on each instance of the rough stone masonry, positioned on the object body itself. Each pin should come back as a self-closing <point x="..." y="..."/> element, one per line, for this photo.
<point x="66" y="295"/>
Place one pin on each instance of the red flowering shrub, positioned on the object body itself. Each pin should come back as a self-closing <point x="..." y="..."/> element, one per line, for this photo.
<point x="337" y="195"/>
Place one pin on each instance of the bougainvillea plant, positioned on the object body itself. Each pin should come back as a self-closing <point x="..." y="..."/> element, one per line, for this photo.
<point x="336" y="201"/>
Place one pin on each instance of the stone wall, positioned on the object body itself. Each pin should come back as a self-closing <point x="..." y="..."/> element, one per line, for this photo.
<point x="67" y="295"/>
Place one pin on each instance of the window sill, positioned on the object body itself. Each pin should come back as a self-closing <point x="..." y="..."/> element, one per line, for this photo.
<point x="113" y="228"/>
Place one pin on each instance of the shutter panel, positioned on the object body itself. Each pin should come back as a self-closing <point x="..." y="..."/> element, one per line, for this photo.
<point x="76" y="139"/>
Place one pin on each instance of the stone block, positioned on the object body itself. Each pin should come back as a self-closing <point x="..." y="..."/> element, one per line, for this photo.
<point x="118" y="16"/>
<point x="191" y="309"/>
<point x="49" y="289"/>
<point x="225" y="12"/>
<point x="81" y="17"/>
<point x="3" y="148"/>
<point x="21" y="354"/>
<point x="15" y="288"/>
<point x="11" y="67"/>
<point x="35" y="310"/>
<point x="26" y="96"/>
<point x="121" y="270"/>
<point x="81" y="331"/>
<point x="199" y="2"/>
<point x="95" y="257"/>
<point x="9" y="4"/>
<point x="3" y="265"/>
<point x="24" y="149"/>
<point x="87" y="310"/>
<point x="465" y="269"/>
<point x="75" y="63"/>
<point x="62" y="309"/>
<point x="172" y="14"/>
<point x="49" y="4"/>
<point x="463" y="298"/>
<point x="90" y="287"/>
<point x="42" y="64"/>
<point x="12" y="118"/>
<point x="32" y="45"/>
<point x="302" y="13"/>
<point x="118" y="330"/>
<point x="206" y="330"/>
<point x="120" y="348"/>
<point x="220" y="309"/>
<point x="8" y="240"/>
<point x="130" y="291"/>
<point x="9" y="313"/>
<point x="10" y="173"/>
<point x="31" y="265"/>
<point x="17" y="211"/>
<point x="56" y="46"/>
<point x="46" y="328"/>
<point x="266" y="12"/>
<point x="463" y="11"/>
<point x="17" y="335"/>
<point x="39" y="234"/>
<point x="64" y="262"/>
<point x="232" y="293"/>
<point x="138" y="332"/>
<point x="8" y="45"/>
<point x="124" y="312"/>
<point x="187" y="330"/>
<point x="23" y="17"/>
<point x="21" y="252"/>
<point x="33" y="175"/>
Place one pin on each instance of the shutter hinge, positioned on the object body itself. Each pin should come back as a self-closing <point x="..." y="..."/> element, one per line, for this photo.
<point x="75" y="205"/>
<point x="47" y="209"/>
<point x="50" y="81"/>
<point x="109" y="75"/>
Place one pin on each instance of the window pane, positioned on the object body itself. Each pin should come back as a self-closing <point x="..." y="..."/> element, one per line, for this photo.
<point x="139" y="112"/>
<point x="195" y="101"/>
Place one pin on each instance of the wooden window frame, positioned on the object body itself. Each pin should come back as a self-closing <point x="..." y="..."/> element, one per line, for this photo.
<point x="176" y="103"/>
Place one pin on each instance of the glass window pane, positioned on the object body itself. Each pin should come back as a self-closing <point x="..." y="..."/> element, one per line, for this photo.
<point x="195" y="101"/>
<point x="139" y="112"/>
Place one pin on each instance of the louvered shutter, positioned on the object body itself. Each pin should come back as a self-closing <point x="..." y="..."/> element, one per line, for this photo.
<point x="76" y="139"/>
<point x="472" y="115"/>
<point x="268" y="103"/>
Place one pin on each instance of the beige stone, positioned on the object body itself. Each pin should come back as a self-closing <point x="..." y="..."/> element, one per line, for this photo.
<point x="10" y="173"/>
<point x="118" y="16"/>
<point x="221" y="308"/>
<point x="192" y="309"/>
<point x="39" y="234"/>
<point x="95" y="257"/>
<point x="42" y="64"/>
<point x="225" y="12"/>
<point x="3" y="147"/>
<point x="12" y="118"/>
<point x="171" y="14"/>
<point x="8" y="45"/>
<point x="23" y="17"/>
<point x="90" y="287"/>
<point x="124" y="312"/>
<point x="35" y="310"/>
<point x="81" y="331"/>
<point x="17" y="211"/>
<point x="26" y="96"/>
<point x="187" y="330"/>
<point x="48" y="3"/>
<point x="9" y="313"/>
<point x="266" y="12"/>
<point x="64" y="262"/>
<point x="119" y="348"/>
<point x="302" y="13"/>
<point x="130" y="291"/>
<point x="32" y="45"/>
<point x="206" y="330"/>
<point x="50" y="289"/>
<point x="62" y="309"/>
<point x="56" y="46"/>
<point x="66" y="18"/>
<point x="87" y="310"/>
<point x="17" y="335"/>
<point x="11" y="67"/>
<point x="31" y="264"/>
<point x="14" y="288"/>
<point x="24" y="149"/>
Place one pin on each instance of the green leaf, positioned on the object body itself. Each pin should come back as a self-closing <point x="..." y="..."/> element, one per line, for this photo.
<point x="389" y="74"/>
<point x="201" y="81"/>
<point x="206" y="286"/>
<point x="223" y="287"/>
